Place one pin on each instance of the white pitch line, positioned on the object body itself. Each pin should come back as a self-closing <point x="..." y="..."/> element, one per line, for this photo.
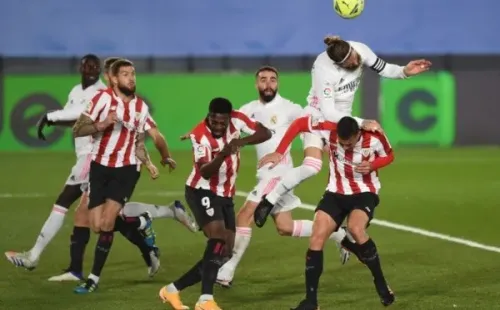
<point x="382" y="223"/>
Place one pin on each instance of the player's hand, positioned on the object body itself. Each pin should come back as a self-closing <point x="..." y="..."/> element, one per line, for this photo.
<point x="271" y="158"/>
<point x="230" y="148"/>
<point x="364" y="168"/>
<point x="42" y="122"/>
<point x="371" y="125"/>
<point x="153" y="171"/>
<point x="185" y="136"/>
<point x="110" y="119"/>
<point x="170" y="163"/>
<point x="415" y="67"/>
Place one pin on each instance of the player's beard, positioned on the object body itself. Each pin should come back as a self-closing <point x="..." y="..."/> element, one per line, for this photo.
<point x="269" y="96"/>
<point x="126" y="91"/>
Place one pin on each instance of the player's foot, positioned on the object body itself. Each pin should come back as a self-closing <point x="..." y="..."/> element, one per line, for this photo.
<point x="67" y="275"/>
<point x="306" y="305"/>
<point x="155" y="262"/>
<point x="22" y="259"/>
<point x="183" y="217"/>
<point x="262" y="212"/>
<point x="86" y="287"/>
<point x="207" y="305"/>
<point x="148" y="231"/>
<point x="224" y="283"/>
<point x="385" y="293"/>
<point x="173" y="299"/>
<point x="225" y="277"/>
<point x="343" y="253"/>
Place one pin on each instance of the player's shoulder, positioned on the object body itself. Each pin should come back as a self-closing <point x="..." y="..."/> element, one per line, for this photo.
<point x="248" y="107"/>
<point x="238" y="115"/>
<point x="376" y="136"/>
<point x="360" y="47"/>
<point x="324" y="63"/>
<point x="199" y="132"/>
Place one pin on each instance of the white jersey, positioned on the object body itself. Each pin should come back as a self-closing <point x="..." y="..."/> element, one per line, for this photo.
<point x="333" y="87"/>
<point x="78" y="99"/>
<point x="276" y="115"/>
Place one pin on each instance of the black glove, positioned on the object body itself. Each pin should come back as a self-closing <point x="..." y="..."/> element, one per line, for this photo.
<point x="262" y="212"/>
<point x="42" y="122"/>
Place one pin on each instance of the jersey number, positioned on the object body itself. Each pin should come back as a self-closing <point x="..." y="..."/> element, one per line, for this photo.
<point x="205" y="201"/>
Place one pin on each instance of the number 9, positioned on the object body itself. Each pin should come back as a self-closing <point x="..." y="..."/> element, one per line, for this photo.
<point x="205" y="201"/>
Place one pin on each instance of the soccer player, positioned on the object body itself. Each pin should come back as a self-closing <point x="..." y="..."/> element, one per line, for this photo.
<point x="117" y="119"/>
<point x="210" y="189"/>
<point x="336" y="75"/>
<point x="90" y="69"/>
<point x="356" y="156"/>
<point x="276" y="113"/>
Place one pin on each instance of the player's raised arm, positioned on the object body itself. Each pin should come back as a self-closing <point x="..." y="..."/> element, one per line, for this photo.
<point x="87" y="123"/>
<point x="257" y="132"/>
<point x="388" y="70"/>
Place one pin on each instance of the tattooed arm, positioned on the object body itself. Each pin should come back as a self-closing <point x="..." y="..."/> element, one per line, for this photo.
<point x="140" y="150"/>
<point x="85" y="126"/>
<point x="142" y="154"/>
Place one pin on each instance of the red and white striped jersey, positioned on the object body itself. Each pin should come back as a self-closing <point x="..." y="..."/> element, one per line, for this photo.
<point x="343" y="179"/>
<point x="115" y="147"/>
<point x="206" y="147"/>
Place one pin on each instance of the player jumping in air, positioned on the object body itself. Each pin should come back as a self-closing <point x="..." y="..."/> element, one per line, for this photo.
<point x="356" y="156"/>
<point x="336" y="75"/>
<point x="276" y="113"/>
<point x="210" y="189"/>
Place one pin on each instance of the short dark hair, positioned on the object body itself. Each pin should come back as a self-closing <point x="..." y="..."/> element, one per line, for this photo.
<point x="118" y="64"/>
<point x="220" y="105"/>
<point x="90" y="57"/>
<point x="336" y="48"/>
<point x="108" y="62"/>
<point x="347" y="127"/>
<point x="266" y="68"/>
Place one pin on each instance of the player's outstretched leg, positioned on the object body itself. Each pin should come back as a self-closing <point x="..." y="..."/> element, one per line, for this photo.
<point x="368" y="254"/>
<point x="51" y="227"/>
<point x="139" y="231"/>
<point x="175" y="211"/>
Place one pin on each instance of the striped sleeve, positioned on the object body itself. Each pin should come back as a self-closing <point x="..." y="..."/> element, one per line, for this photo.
<point x="243" y="122"/>
<point x="97" y="105"/>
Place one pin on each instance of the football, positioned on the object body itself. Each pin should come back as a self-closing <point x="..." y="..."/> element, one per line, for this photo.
<point x="349" y="8"/>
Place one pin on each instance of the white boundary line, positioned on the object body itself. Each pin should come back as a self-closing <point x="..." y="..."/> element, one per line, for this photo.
<point x="382" y="223"/>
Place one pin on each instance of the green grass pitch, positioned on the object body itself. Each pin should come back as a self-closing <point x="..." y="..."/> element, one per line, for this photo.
<point x="454" y="192"/>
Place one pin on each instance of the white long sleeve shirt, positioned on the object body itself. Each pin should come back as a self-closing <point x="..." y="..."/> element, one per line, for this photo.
<point x="78" y="100"/>
<point x="333" y="87"/>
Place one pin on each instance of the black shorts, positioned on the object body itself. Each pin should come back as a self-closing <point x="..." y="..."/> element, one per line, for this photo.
<point x="208" y="207"/>
<point x="116" y="184"/>
<point x="339" y="206"/>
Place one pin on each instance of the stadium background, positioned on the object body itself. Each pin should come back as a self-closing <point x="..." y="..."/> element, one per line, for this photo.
<point x="189" y="51"/>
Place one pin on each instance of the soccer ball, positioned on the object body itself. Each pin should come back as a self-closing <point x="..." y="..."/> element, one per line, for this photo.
<point x="349" y="8"/>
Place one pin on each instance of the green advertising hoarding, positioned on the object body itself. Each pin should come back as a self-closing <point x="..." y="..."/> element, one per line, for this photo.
<point x="178" y="102"/>
<point x="420" y="110"/>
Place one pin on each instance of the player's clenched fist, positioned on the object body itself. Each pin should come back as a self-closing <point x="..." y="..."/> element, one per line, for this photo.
<point x="371" y="125"/>
<point x="364" y="168"/>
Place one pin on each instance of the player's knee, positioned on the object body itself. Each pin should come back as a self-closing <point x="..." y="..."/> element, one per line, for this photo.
<point x="107" y="223"/>
<point x="69" y="195"/>
<point x="357" y="231"/>
<point x="311" y="166"/>
<point x="316" y="242"/>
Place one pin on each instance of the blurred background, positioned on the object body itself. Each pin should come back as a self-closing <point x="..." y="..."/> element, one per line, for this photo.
<point x="189" y="51"/>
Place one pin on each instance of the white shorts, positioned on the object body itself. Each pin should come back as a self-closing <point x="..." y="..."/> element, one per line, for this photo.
<point x="80" y="172"/>
<point x="287" y="202"/>
<point x="313" y="140"/>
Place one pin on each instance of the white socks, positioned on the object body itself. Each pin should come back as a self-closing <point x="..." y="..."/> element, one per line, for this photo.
<point x="94" y="278"/>
<point x="241" y="242"/>
<point x="303" y="228"/>
<point x="52" y="225"/>
<point x="133" y="209"/>
<point x="310" y="167"/>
